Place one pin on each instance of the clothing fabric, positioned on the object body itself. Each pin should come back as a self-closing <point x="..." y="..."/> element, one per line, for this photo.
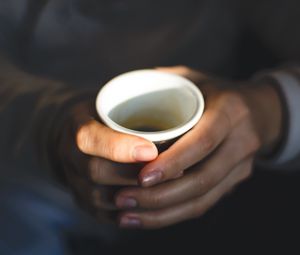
<point x="289" y="89"/>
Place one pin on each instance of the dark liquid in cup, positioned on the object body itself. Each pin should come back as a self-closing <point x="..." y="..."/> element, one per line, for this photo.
<point x="146" y="128"/>
<point x="145" y="119"/>
<point x="147" y="124"/>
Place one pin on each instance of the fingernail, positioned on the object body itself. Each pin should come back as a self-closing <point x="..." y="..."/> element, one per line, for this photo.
<point x="130" y="222"/>
<point x="152" y="178"/>
<point x="126" y="202"/>
<point x="144" y="153"/>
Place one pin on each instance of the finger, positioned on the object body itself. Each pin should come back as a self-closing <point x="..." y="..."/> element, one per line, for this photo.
<point x="100" y="170"/>
<point x="93" y="196"/>
<point x="187" y="210"/>
<point x="200" y="179"/>
<point x="95" y="139"/>
<point x="188" y="150"/>
<point x="96" y="201"/>
<point x="184" y="71"/>
<point x="222" y="115"/>
<point x="106" y="172"/>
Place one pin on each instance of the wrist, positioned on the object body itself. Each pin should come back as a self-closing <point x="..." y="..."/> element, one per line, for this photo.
<point x="266" y="109"/>
<point x="287" y="84"/>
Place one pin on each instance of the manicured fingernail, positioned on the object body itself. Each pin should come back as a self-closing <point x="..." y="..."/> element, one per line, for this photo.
<point x="126" y="202"/>
<point x="144" y="153"/>
<point x="130" y="222"/>
<point x="152" y="178"/>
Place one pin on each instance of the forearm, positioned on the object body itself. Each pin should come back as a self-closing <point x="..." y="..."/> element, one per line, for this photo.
<point x="30" y="111"/>
<point x="286" y="81"/>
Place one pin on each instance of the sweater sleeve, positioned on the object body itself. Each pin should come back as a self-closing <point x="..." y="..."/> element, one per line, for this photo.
<point x="287" y="81"/>
<point x="31" y="112"/>
<point x="32" y="108"/>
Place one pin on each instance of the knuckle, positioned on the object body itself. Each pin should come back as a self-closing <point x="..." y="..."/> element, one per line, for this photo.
<point x="207" y="143"/>
<point x="246" y="173"/>
<point x="235" y="104"/>
<point x="254" y="143"/>
<point x="100" y="201"/>
<point x="203" y="184"/>
<point x="229" y="96"/>
<point x="154" y="221"/>
<point x="242" y="111"/>
<point x="178" y="175"/>
<point x="173" y="168"/>
<point x="201" y="181"/>
<point x="198" y="210"/>
<point x="198" y="213"/>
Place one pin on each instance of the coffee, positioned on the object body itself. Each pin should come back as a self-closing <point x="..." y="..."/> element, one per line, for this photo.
<point x="144" y="120"/>
<point x="146" y="124"/>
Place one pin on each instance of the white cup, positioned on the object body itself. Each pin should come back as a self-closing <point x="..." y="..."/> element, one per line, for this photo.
<point x="150" y="97"/>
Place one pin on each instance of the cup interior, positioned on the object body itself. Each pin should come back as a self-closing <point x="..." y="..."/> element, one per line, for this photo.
<point x="152" y="104"/>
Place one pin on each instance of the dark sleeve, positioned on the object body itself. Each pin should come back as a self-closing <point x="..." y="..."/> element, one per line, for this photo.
<point x="31" y="108"/>
<point x="31" y="112"/>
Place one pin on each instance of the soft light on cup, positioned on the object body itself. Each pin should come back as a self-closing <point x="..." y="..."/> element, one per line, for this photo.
<point x="152" y="104"/>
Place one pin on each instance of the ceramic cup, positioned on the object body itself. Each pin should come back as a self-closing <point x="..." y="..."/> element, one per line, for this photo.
<point x="152" y="104"/>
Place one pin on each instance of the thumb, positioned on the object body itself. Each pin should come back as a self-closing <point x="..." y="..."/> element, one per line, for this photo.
<point x="94" y="138"/>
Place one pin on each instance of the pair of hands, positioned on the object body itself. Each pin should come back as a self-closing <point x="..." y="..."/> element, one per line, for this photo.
<point x="118" y="174"/>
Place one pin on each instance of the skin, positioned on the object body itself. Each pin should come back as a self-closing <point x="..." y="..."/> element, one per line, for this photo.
<point x="112" y="173"/>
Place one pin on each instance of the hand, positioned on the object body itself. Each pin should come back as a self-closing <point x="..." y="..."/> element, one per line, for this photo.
<point x="210" y="160"/>
<point x="97" y="160"/>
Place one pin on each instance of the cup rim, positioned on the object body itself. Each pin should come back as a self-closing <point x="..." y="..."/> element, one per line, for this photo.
<point x="158" y="136"/>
